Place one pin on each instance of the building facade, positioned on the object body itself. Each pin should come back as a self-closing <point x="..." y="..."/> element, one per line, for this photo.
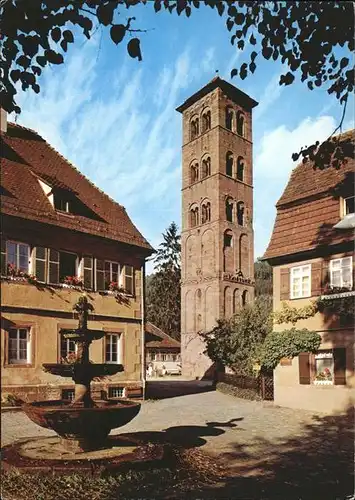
<point x="312" y="254"/>
<point x="217" y="215"/>
<point x="162" y="352"/>
<point x="61" y="236"/>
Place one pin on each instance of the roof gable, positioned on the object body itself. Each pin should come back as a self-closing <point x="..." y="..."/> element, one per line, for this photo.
<point x="155" y="337"/>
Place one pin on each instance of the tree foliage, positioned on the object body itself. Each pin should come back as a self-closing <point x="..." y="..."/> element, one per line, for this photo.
<point x="235" y="342"/>
<point x="289" y="314"/>
<point x="304" y="36"/>
<point x="263" y="278"/>
<point x="287" y="344"/>
<point x="163" y="287"/>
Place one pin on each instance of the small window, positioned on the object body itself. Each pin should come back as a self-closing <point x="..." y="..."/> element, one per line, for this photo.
<point x="68" y="350"/>
<point x="68" y="394"/>
<point x="206" y="121"/>
<point x="341" y="272"/>
<point x="229" y="209"/>
<point x="112" y="273"/>
<point x="67" y="265"/>
<point x="229" y="118"/>
<point x="62" y="203"/>
<point x="324" y="367"/>
<point x="19" y="346"/>
<point x="206" y="212"/>
<point x="300" y="282"/>
<point x="17" y="256"/>
<point x="194" y="217"/>
<point x="194" y="172"/>
<point x="229" y="164"/>
<point x="206" y="167"/>
<point x="349" y="205"/>
<point x="113" y="348"/>
<point x="128" y="279"/>
<point x="240" y="213"/>
<point x="240" y="168"/>
<point x="228" y="239"/>
<point x="240" y="124"/>
<point x="116" y="392"/>
<point x="194" y="128"/>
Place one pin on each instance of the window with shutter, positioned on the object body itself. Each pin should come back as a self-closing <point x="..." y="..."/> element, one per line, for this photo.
<point x="304" y="368"/>
<point x="316" y="279"/>
<point x="40" y="254"/>
<point x="53" y="267"/>
<point x="129" y="279"/>
<point x="301" y="281"/>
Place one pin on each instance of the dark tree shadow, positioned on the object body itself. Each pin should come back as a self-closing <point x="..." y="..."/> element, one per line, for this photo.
<point x="164" y="389"/>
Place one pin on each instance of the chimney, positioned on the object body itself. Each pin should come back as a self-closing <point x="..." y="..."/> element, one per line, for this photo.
<point x="3" y="120"/>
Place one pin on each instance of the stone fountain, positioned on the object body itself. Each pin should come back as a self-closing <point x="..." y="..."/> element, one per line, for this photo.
<point x="83" y="425"/>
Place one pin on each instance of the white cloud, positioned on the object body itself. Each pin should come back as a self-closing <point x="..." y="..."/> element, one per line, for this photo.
<point x="272" y="168"/>
<point x="270" y="95"/>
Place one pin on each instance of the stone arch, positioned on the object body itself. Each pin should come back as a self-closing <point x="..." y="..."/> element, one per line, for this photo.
<point x="194" y="127"/>
<point x="210" y="308"/>
<point x="206" y="166"/>
<point x="245" y="298"/>
<point x="236" y="300"/>
<point x="194" y="171"/>
<point x="227" y="308"/>
<point x="230" y="118"/>
<point x="194" y="215"/>
<point x="229" y="209"/>
<point x="244" y="255"/>
<point x="189" y="312"/>
<point x="205" y="120"/>
<point x="198" y="310"/>
<point x="191" y="256"/>
<point x="208" y="253"/>
<point x="205" y="211"/>
<point x="240" y="213"/>
<point x="229" y="163"/>
<point x="241" y="123"/>
<point x="228" y="252"/>
<point x="240" y="168"/>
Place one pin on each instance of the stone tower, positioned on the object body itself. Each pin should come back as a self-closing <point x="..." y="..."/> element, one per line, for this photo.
<point x="217" y="215"/>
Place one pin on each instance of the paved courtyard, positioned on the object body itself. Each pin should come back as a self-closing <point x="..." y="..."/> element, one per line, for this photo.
<point x="258" y="446"/>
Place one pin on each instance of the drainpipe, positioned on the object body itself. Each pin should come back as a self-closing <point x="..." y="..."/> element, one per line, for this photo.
<point x="142" y="327"/>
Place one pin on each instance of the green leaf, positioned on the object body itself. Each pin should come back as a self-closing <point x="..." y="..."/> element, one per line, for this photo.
<point x="117" y="33"/>
<point x="157" y="5"/>
<point x="42" y="61"/>
<point x="15" y="75"/>
<point x="253" y="55"/>
<point x="56" y="34"/>
<point x="134" y="49"/>
<point x="53" y="57"/>
<point x="252" y="40"/>
<point x="104" y="13"/>
<point x="229" y="24"/>
<point x="68" y="36"/>
<point x="234" y="73"/>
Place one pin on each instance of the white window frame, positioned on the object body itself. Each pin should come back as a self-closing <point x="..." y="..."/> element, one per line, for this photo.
<point x="17" y="360"/>
<point x="67" y="351"/>
<point x="344" y="205"/>
<point x="108" y="337"/>
<point x="306" y="270"/>
<point x="332" y="270"/>
<point x="118" y="272"/>
<point x="29" y="266"/>
<point x="112" y="390"/>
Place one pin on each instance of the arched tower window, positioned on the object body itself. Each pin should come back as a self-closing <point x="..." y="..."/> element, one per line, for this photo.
<point x="194" y="172"/>
<point x="229" y="118"/>
<point x="244" y="298"/>
<point x="194" y="217"/>
<point x="236" y="299"/>
<point x="194" y="128"/>
<point x="229" y="209"/>
<point x="228" y="252"/>
<point x="240" y="124"/>
<point x="206" y="120"/>
<point x="240" y="213"/>
<point x="206" y="167"/>
<point x="240" y="168"/>
<point x="205" y="212"/>
<point x="229" y="163"/>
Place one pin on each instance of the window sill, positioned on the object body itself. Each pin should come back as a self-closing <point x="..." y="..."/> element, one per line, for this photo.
<point x="323" y="382"/>
<point x="19" y="365"/>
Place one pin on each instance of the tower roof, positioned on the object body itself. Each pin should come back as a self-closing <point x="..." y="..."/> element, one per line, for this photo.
<point x="230" y="90"/>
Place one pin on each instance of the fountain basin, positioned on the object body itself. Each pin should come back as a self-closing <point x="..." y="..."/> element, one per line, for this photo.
<point x="90" y="371"/>
<point x="82" y="429"/>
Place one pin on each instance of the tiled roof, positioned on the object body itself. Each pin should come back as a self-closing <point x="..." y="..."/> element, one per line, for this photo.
<point x="26" y="156"/>
<point x="309" y="208"/>
<point x="155" y="337"/>
<point x="232" y="92"/>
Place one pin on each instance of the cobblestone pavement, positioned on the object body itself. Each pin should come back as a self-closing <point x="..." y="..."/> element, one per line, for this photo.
<point x="248" y="439"/>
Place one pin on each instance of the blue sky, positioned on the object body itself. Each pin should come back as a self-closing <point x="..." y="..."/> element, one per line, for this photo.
<point x="115" y="118"/>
